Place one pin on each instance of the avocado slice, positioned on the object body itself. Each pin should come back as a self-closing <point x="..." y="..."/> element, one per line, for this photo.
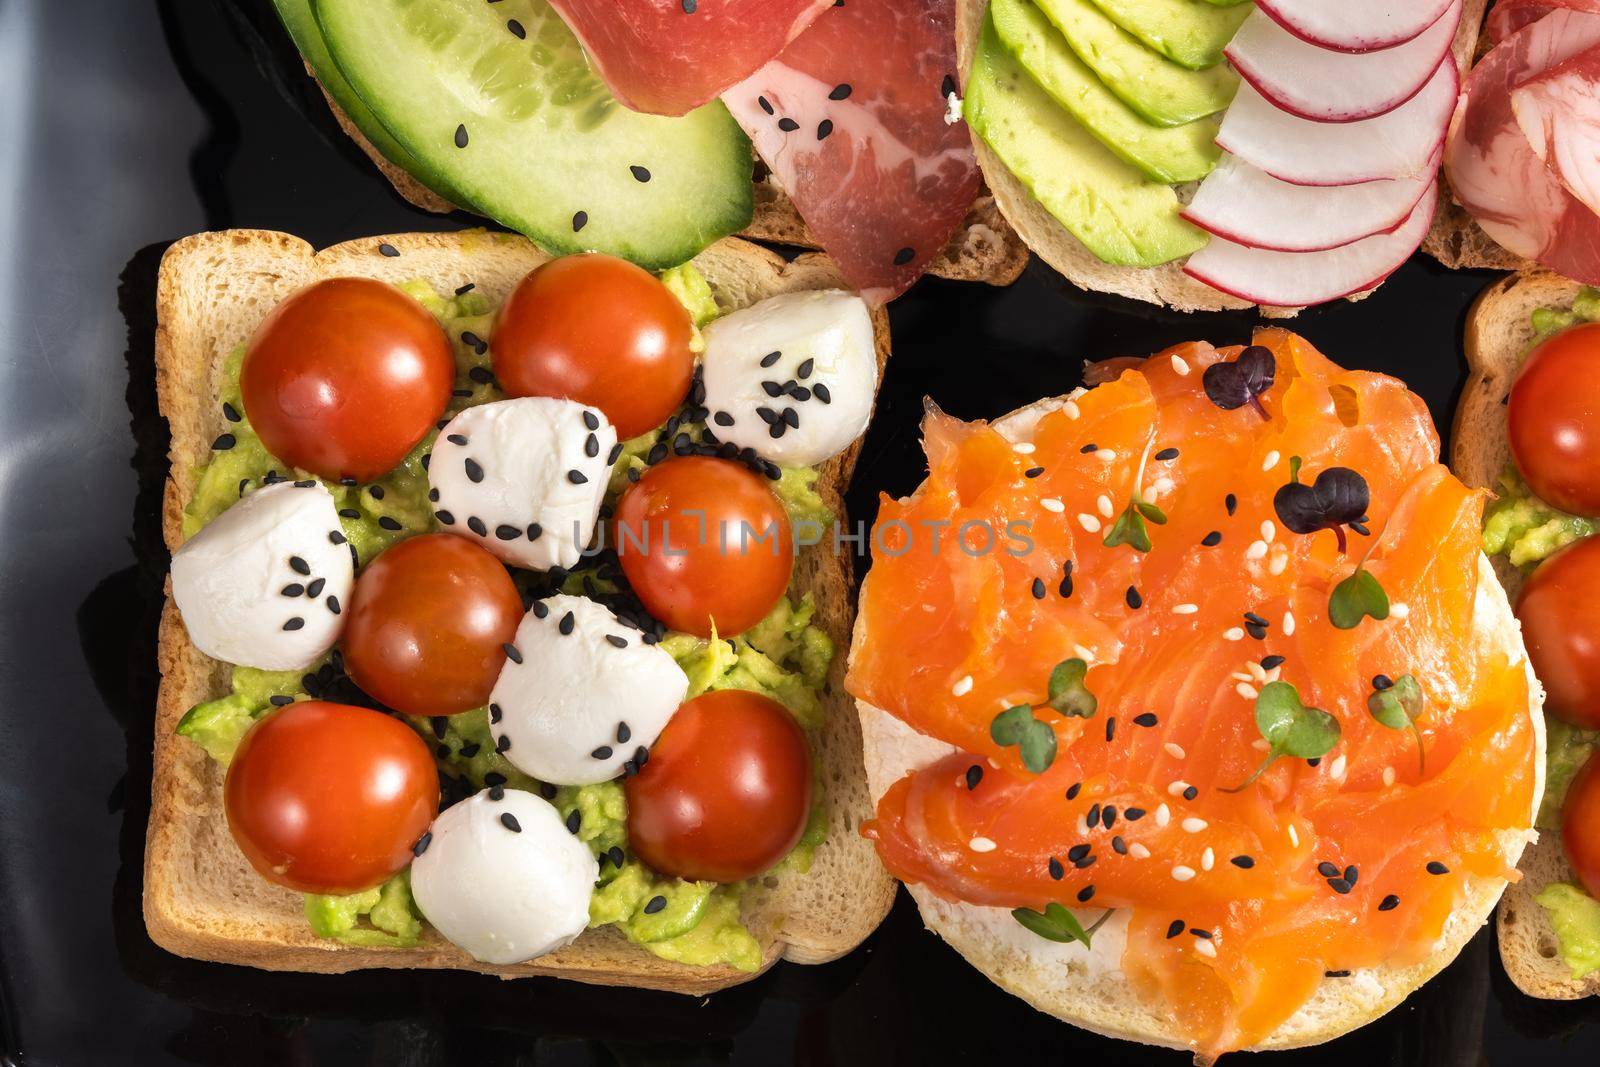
<point x="1160" y="90"/>
<point x="1191" y="33"/>
<point x="1172" y="154"/>
<point x="1119" y="215"/>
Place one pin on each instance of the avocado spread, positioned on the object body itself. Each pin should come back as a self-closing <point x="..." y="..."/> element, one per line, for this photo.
<point x="1576" y="918"/>
<point x="784" y="656"/>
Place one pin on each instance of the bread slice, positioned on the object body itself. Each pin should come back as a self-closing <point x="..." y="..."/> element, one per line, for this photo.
<point x="1499" y="331"/>
<point x="984" y="249"/>
<point x="1087" y="987"/>
<point x="1165" y="284"/>
<point x="201" y="898"/>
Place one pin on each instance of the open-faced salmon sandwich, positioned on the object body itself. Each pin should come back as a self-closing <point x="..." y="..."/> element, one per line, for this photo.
<point x="1194" y="713"/>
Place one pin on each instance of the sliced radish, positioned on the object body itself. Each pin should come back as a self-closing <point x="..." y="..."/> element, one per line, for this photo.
<point x="1354" y="25"/>
<point x="1298" y="279"/>
<point x="1316" y="83"/>
<point x="1250" y="207"/>
<point x="1401" y="144"/>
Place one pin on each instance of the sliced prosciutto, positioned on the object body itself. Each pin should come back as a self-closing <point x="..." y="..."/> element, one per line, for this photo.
<point x="851" y="120"/>
<point x="1317" y="83"/>
<point x="1250" y="207"/>
<point x="1404" y="143"/>
<point x="1559" y="113"/>
<point x="1494" y="171"/>
<point x="667" y="57"/>
<point x="1296" y="279"/>
<point x="1509" y="16"/>
<point x="1354" y="25"/>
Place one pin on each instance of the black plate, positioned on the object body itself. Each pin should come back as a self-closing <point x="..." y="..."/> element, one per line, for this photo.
<point x="124" y="126"/>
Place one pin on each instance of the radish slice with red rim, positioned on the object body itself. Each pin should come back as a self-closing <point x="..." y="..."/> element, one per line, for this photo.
<point x="1354" y="25"/>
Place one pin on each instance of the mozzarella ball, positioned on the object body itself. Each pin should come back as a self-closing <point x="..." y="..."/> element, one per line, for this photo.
<point x="792" y="377"/>
<point x="524" y="478"/>
<point x="499" y="875"/>
<point x="264" y="583"/>
<point x="582" y="695"/>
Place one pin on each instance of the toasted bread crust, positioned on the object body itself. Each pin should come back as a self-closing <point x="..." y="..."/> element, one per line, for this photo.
<point x="1499" y="331"/>
<point x="201" y="899"/>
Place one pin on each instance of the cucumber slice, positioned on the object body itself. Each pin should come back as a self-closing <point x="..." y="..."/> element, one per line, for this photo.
<point x="500" y="99"/>
<point x="307" y="36"/>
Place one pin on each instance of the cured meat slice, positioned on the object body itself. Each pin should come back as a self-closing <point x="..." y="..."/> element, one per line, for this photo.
<point x="1509" y="16"/>
<point x="1318" y="83"/>
<point x="1354" y="25"/>
<point x="1493" y="169"/>
<point x="1559" y="113"/>
<point x="667" y="57"/>
<point x="851" y="119"/>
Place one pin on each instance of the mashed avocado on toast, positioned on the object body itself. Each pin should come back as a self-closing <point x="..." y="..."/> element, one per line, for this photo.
<point x="784" y="657"/>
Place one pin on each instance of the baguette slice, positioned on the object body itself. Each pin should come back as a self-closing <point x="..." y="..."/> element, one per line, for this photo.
<point x="1088" y="988"/>
<point x="984" y="249"/>
<point x="1499" y="331"/>
<point x="1165" y="284"/>
<point x="201" y="898"/>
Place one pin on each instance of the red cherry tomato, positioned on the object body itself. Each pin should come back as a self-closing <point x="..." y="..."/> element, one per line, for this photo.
<point x="330" y="798"/>
<point x="1554" y="420"/>
<point x="726" y="791"/>
<point x="345" y="377"/>
<point x="1580" y="826"/>
<point x="599" y="330"/>
<point x="705" y="544"/>
<point x="427" y="624"/>
<point x="1560" y="612"/>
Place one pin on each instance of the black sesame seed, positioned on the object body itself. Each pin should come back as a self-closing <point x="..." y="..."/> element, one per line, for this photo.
<point x="788" y="125"/>
<point x="640" y="174"/>
<point x="474" y="471"/>
<point x="229" y="412"/>
<point x="503" y="743"/>
<point x="577" y="477"/>
<point x="461" y="130"/>
<point x="1093" y="818"/>
<point x="516" y="28"/>
<point x="904" y="256"/>
<point x="445" y="518"/>
<point x="1057" y="871"/>
<point x="1197" y="932"/>
<point x="1212" y="539"/>
<point x="314" y="590"/>
<point x="1176" y="927"/>
<point x="623" y="733"/>
<point x="1133" y="814"/>
<point x="1339" y="885"/>
<point x="580" y="219"/>
<point x="1380" y="682"/>
<point x="1336" y="974"/>
<point x="820" y="391"/>
<point x="1351" y="874"/>
<point x="463" y="290"/>
<point x="1072" y="790"/>
<point x="1038" y="589"/>
<point x="1191" y="792"/>
<point x="1111" y="728"/>
<point x="1077" y="852"/>
<point x="840" y="91"/>
<point x="574" y="820"/>
<point x="1108" y="816"/>
<point x="388" y="249"/>
<point x="1135" y="601"/>
<point x="616" y="641"/>
<point x="1252" y="617"/>
<point x="566" y="624"/>
<point x="1085" y="894"/>
<point x="1435" y="867"/>
<point x="1166" y="454"/>
<point x="824" y="128"/>
<point x="1270" y="662"/>
<point x="295" y="623"/>
<point x="766" y="105"/>
<point x="1119" y="846"/>
<point x="513" y="653"/>
<point x="224" y="442"/>
<point x="440" y="725"/>
<point x="603" y="752"/>
<point x="616" y="856"/>
<point x="293" y="589"/>
<point x="279" y="700"/>
<point x="388" y="524"/>
<point x="655" y="904"/>
<point x="1389" y="903"/>
<point x="442" y="751"/>
<point x="349" y="513"/>
<point x="477" y="526"/>
<point x="422" y="843"/>
<point x="298" y="565"/>
<point x="506" y="532"/>
<point x="494" y="713"/>
<point x="1146" y="718"/>
<point x="457" y="438"/>
<point x="534" y="531"/>
<point x="470" y="750"/>
<point x="1243" y="862"/>
<point x="1327" y="870"/>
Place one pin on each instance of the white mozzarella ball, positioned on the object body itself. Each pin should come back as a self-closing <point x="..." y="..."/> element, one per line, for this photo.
<point x="582" y="695"/>
<point x="524" y="477"/>
<point x="502" y="878"/>
<point x="264" y="583"/>
<point x="792" y="377"/>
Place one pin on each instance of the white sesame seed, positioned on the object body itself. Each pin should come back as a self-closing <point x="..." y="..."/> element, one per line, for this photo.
<point x="1193" y="824"/>
<point x="1085" y="654"/>
<point x="1106" y="454"/>
<point x="929" y="608"/>
<point x="1138" y="851"/>
<point x="1256" y="673"/>
<point x="1294" y="836"/>
<point x="1388" y="776"/>
<point x="1257" y="550"/>
<point x="1151" y="492"/>
<point x="1174" y="750"/>
<point x="1246" y="690"/>
<point x="1261" y="744"/>
<point x="1180" y="873"/>
<point x="1399" y="611"/>
<point x="1180" y="366"/>
<point x="1050" y="503"/>
<point x="1185" y="609"/>
<point x="1279" y="560"/>
<point x="1233" y="633"/>
<point x="981" y="844"/>
<point x="1176" y="787"/>
<point x="1288" y="623"/>
<point x="1024" y="448"/>
<point x="1164" y="814"/>
<point x="1104" y="504"/>
<point x="1242" y="676"/>
<point x="1205" y="947"/>
<point x="1071" y="409"/>
<point x="1268" y="531"/>
<point x="1162" y="484"/>
<point x="1270" y="461"/>
<point x="1336" y="768"/>
<point x="962" y="687"/>
<point x="1088" y="522"/>
<point x="1082" y="825"/>
<point x="1208" y="859"/>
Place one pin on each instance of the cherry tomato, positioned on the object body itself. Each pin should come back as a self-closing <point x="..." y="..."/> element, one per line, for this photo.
<point x="427" y="624"/>
<point x="1560" y="612"/>
<point x="1580" y="825"/>
<point x="1554" y="420"/>
<point x="705" y="544"/>
<point x="330" y="798"/>
<point x="345" y="377"/>
<point x="599" y="330"/>
<point x="726" y="791"/>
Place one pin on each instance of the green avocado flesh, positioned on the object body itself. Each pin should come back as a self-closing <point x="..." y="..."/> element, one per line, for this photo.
<point x="1169" y="154"/>
<point x="1575" y="915"/>
<point x="1191" y="33"/>
<point x="1159" y="90"/>
<point x="784" y="656"/>
<point x="498" y="99"/>
<point x="1115" y="211"/>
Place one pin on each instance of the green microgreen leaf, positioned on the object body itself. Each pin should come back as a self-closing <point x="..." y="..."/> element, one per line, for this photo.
<point x="1129" y="529"/>
<point x="1034" y="739"/>
<point x="1397" y="707"/>
<point x="1291" y="727"/>
<point x="1151" y="512"/>
<point x="1355" y="598"/>
<point x="1068" y="693"/>
<point x="1294" y="469"/>
<point x="1056" y="923"/>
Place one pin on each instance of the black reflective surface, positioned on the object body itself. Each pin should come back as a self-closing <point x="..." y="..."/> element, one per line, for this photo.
<point x="125" y="125"/>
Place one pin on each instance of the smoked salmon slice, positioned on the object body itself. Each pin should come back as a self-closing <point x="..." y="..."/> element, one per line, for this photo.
<point x="1240" y="899"/>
